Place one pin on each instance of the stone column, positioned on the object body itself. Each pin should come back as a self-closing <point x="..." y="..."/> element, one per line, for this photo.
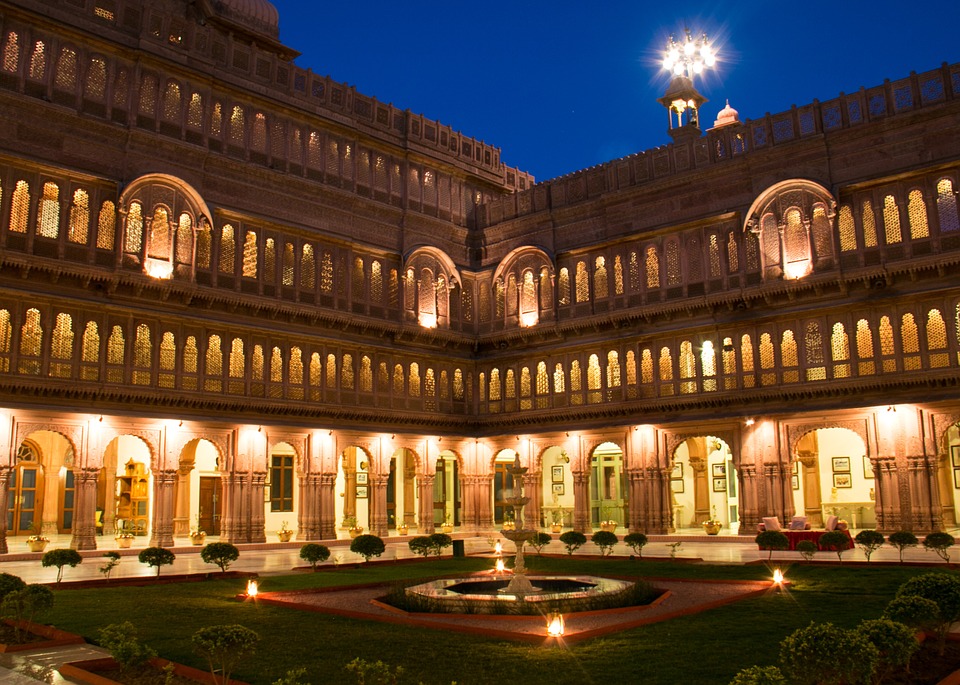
<point x="774" y="490"/>
<point x="326" y="506"/>
<point x="887" y="491"/>
<point x="468" y="503"/>
<point x="4" y="499"/>
<point x="85" y="509"/>
<point x="161" y="530"/>
<point x="229" y="524"/>
<point x="308" y="518"/>
<point x="661" y="507"/>
<point x="749" y="500"/>
<point x="378" y="505"/>
<point x="534" y="490"/>
<point x="924" y="495"/>
<point x="425" y="517"/>
<point x="485" y="496"/>
<point x="181" y="496"/>
<point x="581" y="502"/>
<point x="256" y="528"/>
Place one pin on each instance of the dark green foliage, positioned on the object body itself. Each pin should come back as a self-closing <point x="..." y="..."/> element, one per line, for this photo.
<point x="26" y="604"/>
<point x="939" y="543"/>
<point x="112" y="561"/>
<point x="439" y="542"/>
<point x="759" y="675"/>
<point x="374" y="672"/>
<point x="605" y="540"/>
<point x="9" y="583"/>
<point x="220" y="553"/>
<point x="314" y="554"/>
<point x="772" y="540"/>
<point x="156" y="556"/>
<point x="421" y="545"/>
<point x="919" y="613"/>
<point x="895" y="642"/>
<point x="807" y="549"/>
<point x="836" y="541"/>
<point x="121" y="640"/>
<point x="636" y="542"/>
<point x="823" y="653"/>
<point x="901" y="540"/>
<point x="942" y="589"/>
<point x="224" y="646"/>
<point x="539" y="541"/>
<point x="869" y="541"/>
<point x="61" y="558"/>
<point x="573" y="540"/>
<point x="367" y="546"/>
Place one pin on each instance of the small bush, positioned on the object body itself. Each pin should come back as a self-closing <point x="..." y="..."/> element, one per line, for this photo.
<point x="636" y="542"/>
<point x="539" y="541"/>
<point x="869" y="541"/>
<point x="439" y="542"/>
<point x="314" y="554"/>
<point x="374" y="672"/>
<point x="367" y="546"/>
<point x="421" y="545"/>
<point x="112" y="561"/>
<point x="156" y="556"/>
<point x="901" y="540"/>
<point x="807" y="549"/>
<point x="919" y="613"/>
<point x="573" y="540"/>
<point x="26" y="604"/>
<point x="224" y="646"/>
<point x="835" y="541"/>
<point x="943" y="590"/>
<point x="895" y="642"/>
<point x="9" y="583"/>
<point x="120" y="639"/>
<point x="939" y="543"/>
<point x="772" y="540"/>
<point x="759" y="675"/>
<point x="220" y="553"/>
<point x="605" y="540"/>
<point x="823" y="653"/>
<point x="61" y="558"/>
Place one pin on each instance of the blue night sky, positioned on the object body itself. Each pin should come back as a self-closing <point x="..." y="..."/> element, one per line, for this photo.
<point x="562" y="85"/>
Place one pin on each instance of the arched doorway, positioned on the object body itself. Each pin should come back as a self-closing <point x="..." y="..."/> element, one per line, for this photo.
<point x="446" y="490"/>
<point x="703" y="484"/>
<point x="831" y="475"/>
<point x="402" y="489"/>
<point x="25" y="499"/>
<point x="282" y="494"/>
<point x="353" y="486"/>
<point x="502" y="484"/>
<point x="198" y="494"/>
<point x="557" y="487"/>
<point x="608" y="488"/>
<point x="125" y="486"/>
<point x="41" y="487"/>
<point x="949" y="470"/>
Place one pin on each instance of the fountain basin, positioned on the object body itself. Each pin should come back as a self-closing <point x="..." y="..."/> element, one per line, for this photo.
<point x="486" y="595"/>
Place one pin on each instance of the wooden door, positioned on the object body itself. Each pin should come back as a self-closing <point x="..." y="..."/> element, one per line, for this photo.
<point x="25" y="499"/>
<point x="502" y="489"/>
<point x="210" y="498"/>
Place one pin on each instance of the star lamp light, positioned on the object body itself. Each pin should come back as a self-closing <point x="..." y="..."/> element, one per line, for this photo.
<point x="689" y="56"/>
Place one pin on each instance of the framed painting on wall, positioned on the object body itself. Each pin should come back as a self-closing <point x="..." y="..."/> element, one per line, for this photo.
<point x="677" y="471"/>
<point x="867" y="467"/>
<point x="719" y="470"/>
<point x="361" y="492"/>
<point x="842" y="480"/>
<point x="558" y="488"/>
<point x="955" y="456"/>
<point x="361" y="477"/>
<point x="719" y="484"/>
<point x="676" y="486"/>
<point x="841" y="465"/>
<point x="956" y="478"/>
<point x="795" y="482"/>
<point x="556" y="474"/>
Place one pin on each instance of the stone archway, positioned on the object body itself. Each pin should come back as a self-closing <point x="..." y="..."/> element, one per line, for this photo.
<point x="704" y="483"/>
<point x="831" y="474"/>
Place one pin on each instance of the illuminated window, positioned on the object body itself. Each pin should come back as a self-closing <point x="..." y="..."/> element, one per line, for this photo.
<point x="204" y="241"/>
<point x="134" y="233"/>
<point x="366" y="374"/>
<point x="216" y="120"/>
<point x="634" y="270"/>
<point x="96" y="83"/>
<point x="646" y="367"/>
<point x="891" y="221"/>
<point x="688" y="368"/>
<point x="90" y="353"/>
<point x="708" y="365"/>
<point x="788" y="357"/>
<point x="269" y="261"/>
<point x="250" y="254"/>
<point x="917" y="215"/>
<point x="106" y="225"/>
<point x="237" y="366"/>
<point x="617" y="276"/>
<point x="61" y="347"/>
<point x="168" y="360"/>
<point x="376" y="282"/>
<point x="48" y="213"/>
<point x="665" y="366"/>
<point x="674" y="276"/>
<point x="357" y="282"/>
<point x="766" y="359"/>
<point x="308" y="268"/>
<point x="869" y="221"/>
<point x="937" y="339"/>
<point x="886" y="344"/>
<point x="295" y="374"/>
<point x="813" y="350"/>
<point x="346" y="372"/>
<point x="613" y="369"/>
<point x="563" y="287"/>
<point x="582" y="284"/>
<point x="31" y="340"/>
<point x="66" y="77"/>
<point x="728" y="356"/>
<point x="257" y="364"/>
<point x="326" y="273"/>
<point x="38" y="61"/>
<point x="713" y="252"/>
<point x="195" y="111"/>
<point x="258" y="133"/>
<point x="214" y="366"/>
<point x="866" y="366"/>
<point x="848" y="232"/>
<point x="599" y="279"/>
<point x="236" y="126"/>
<point x="653" y="268"/>
<point x="559" y="379"/>
<point x="171" y="102"/>
<point x="142" y="355"/>
<point x="510" y="385"/>
<point x="947" y="206"/>
<point x="287" y="265"/>
<point x="331" y="372"/>
<point x="228" y="255"/>
<point x="115" y="354"/>
<point x="526" y="388"/>
<point x="458" y="392"/>
<point x="11" y="53"/>
<point x="158" y="245"/>
<point x="840" y="351"/>
<point x="543" y="379"/>
<point x="79" y="217"/>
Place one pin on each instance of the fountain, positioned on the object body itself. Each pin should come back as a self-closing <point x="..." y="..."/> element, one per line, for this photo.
<point x="519" y="585"/>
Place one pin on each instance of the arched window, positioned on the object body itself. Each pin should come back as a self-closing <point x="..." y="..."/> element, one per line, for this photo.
<point x="106" y="225"/>
<point x="134" y="232"/>
<point x="840" y="351"/>
<point x="613" y="370"/>
<point x="38" y="61"/>
<point x="688" y="368"/>
<point x="228" y="254"/>
<point x="308" y="267"/>
<point x="495" y="393"/>
<point x="559" y="378"/>
<point x="20" y="207"/>
<point x="331" y="372"/>
<point x="61" y="347"/>
<point x="937" y="339"/>
<point x="286" y="268"/>
<point x="250" y="254"/>
<point x="789" y="359"/>
<point x="142" y="355"/>
<point x="848" y="232"/>
<point x="258" y="133"/>
<point x="767" y="360"/>
<point x="399" y="385"/>
<point x="813" y="348"/>
<point x="115" y="355"/>
<point x="652" y="264"/>
<point x="31" y="342"/>
<point x="79" y="217"/>
<point x="666" y="371"/>
<point x="617" y="275"/>
<point x="237" y="366"/>
<point x="708" y="365"/>
<point x="576" y="382"/>
<point x="796" y="245"/>
<point x="891" y="221"/>
<point x="90" y="353"/>
<point x="869" y="221"/>
<point x="728" y="356"/>
<point x="66" y="77"/>
<point x="887" y="350"/>
<point x="236" y="126"/>
<point x="214" y="366"/>
<point x="168" y="360"/>
<point x="582" y="283"/>
<point x="865" y="366"/>
<point x="529" y="313"/>
<point x="510" y="385"/>
<point x="366" y="374"/>
<point x="947" y="206"/>
<point x="646" y="367"/>
<point x="158" y="244"/>
<point x="376" y="282"/>
<point x="11" y="53"/>
<point x="674" y="276"/>
<point x="171" y="102"/>
<point x="917" y="215"/>
<point x="746" y="361"/>
<point x="48" y="213"/>
<point x="600" y="279"/>
<point x="525" y="389"/>
<point x="96" y="83"/>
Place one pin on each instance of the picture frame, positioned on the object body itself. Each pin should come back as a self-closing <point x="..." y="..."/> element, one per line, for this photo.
<point x="956" y="478"/>
<point x="719" y="484"/>
<point x="677" y="471"/>
<point x="676" y="486"/>
<point x="841" y="465"/>
<point x="361" y="477"/>
<point x="719" y="470"/>
<point x="842" y="480"/>
<point x="867" y="468"/>
<point x="795" y="468"/>
<point x="556" y="474"/>
<point x="558" y="489"/>
<point x="362" y="492"/>
<point x="955" y="456"/>
<point x="795" y="481"/>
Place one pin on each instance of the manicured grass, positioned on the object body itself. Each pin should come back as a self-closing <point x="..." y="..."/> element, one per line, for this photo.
<point x="705" y="648"/>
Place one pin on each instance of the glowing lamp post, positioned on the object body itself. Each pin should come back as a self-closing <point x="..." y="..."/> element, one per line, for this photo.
<point x="555" y="624"/>
<point x="777" y="577"/>
<point x="685" y="59"/>
<point x="252" y="589"/>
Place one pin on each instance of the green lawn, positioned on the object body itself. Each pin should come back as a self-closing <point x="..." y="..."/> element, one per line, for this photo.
<point x="704" y="649"/>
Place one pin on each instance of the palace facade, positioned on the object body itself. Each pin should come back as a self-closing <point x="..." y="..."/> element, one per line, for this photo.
<point x="236" y="294"/>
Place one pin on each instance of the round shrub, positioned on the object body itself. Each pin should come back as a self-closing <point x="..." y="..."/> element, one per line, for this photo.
<point x="9" y="583"/>
<point x="156" y="556"/>
<point x="314" y="554"/>
<point x="61" y="558"/>
<point x="636" y="542"/>
<point x="121" y="640"/>
<point x="759" y="675"/>
<point x="939" y="543"/>
<point x="902" y="539"/>
<point x="943" y="590"/>
<point x="869" y="541"/>
<point x="220" y="553"/>
<point x="439" y="542"/>
<point x="573" y="540"/>
<point x="919" y="613"/>
<point x="772" y="540"/>
<point x="807" y="549"/>
<point x="367" y="546"/>
<point x="836" y="541"/>
<point x="421" y="545"/>
<point x="539" y="541"/>
<point x="605" y="540"/>
<point x="823" y="653"/>
<point x="224" y="646"/>
<point x="895" y="642"/>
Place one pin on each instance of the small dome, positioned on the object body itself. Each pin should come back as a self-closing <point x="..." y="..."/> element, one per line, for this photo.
<point x="260" y="16"/>
<point x="728" y="115"/>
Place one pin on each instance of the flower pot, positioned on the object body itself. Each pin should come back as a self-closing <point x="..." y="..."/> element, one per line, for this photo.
<point x="197" y="539"/>
<point x="556" y="527"/>
<point x="608" y="526"/>
<point x="355" y="531"/>
<point x="402" y="529"/>
<point x="712" y="527"/>
<point x="284" y="535"/>
<point x="509" y="525"/>
<point x="37" y="545"/>
<point x="124" y="542"/>
<point x="446" y="528"/>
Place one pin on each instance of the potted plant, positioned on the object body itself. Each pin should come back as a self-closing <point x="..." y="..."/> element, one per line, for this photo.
<point x="37" y="541"/>
<point x="402" y="528"/>
<point x="509" y="522"/>
<point x="124" y="539"/>
<point x="556" y="519"/>
<point x="447" y="526"/>
<point x="284" y="532"/>
<point x="197" y="534"/>
<point x="352" y="526"/>
<point x="607" y="523"/>
<point x="712" y="525"/>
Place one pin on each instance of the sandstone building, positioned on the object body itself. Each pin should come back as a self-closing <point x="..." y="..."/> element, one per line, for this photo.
<point x="235" y="294"/>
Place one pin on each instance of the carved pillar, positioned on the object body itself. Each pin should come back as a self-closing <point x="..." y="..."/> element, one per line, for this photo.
<point x="581" y="502"/>
<point x="181" y="498"/>
<point x="701" y="490"/>
<point x="886" y="490"/>
<point x="485" y="497"/>
<point x="326" y="505"/>
<point x="534" y="490"/>
<point x="749" y="504"/>
<point x="924" y="495"/>
<point x="256" y="518"/>
<point x="229" y="520"/>
<point x="4" y="497"/>
<point x="378" y="505"/>
<point x="85" y="509"/>
<point x="161" y="530"/>
<point x="308" y="515"/>
<point x="409" y="491"/>
<point x="425" y="483"/>
<point x="469" y="504"/>
<point x="812" y="504"/>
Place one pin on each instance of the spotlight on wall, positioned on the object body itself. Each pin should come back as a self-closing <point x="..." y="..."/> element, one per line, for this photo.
<point x="180" y="425"/>
<point x="100" y="419"/>
<point x="892" y="409"/>
<point x="259" y="429"/>
<point x="749" y="422"/>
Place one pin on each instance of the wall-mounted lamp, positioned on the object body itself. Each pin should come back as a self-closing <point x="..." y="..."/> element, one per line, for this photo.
<point x="180" y="425"/>
<point x="892" y="409"/>
<point x="259" y="429"/>
<point x="568" y="434"/>
<point x="330" y="433"/>
<point x="363" y="466"/>
<point x="393" y="437"/>
<point x="100" y="419"/>
<point x="749" y="422"/>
